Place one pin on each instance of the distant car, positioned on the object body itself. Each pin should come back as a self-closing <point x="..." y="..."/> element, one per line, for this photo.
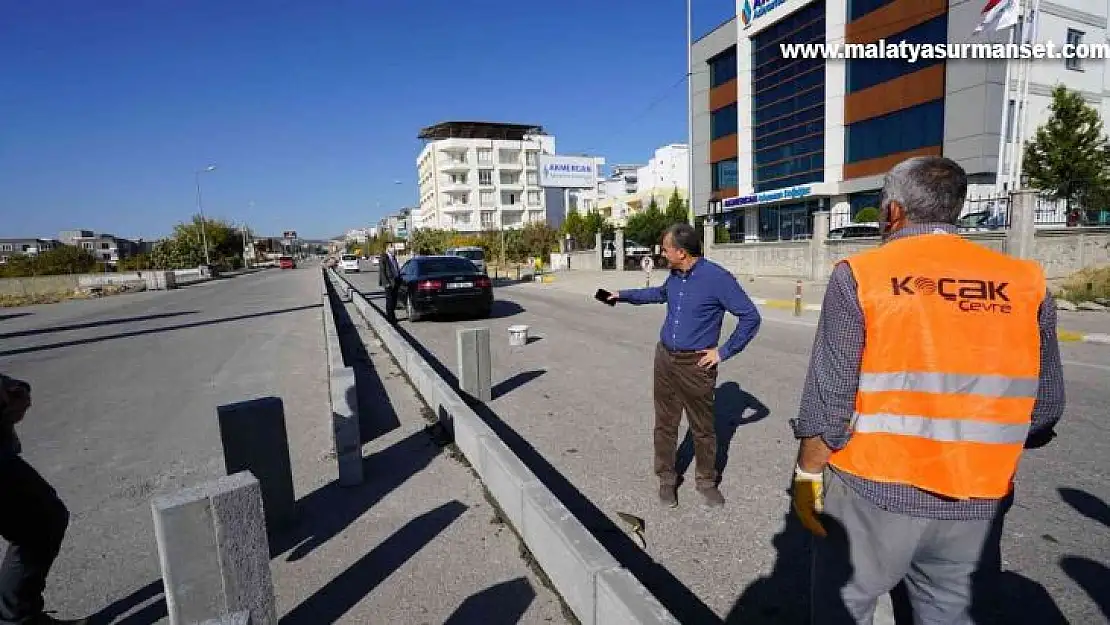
<point x="444" y="284"/>
<point x="348" y="263"/>
<point x="287" y="262"/>
<point x="856" y="231"/>
<point x="475" y="255"/>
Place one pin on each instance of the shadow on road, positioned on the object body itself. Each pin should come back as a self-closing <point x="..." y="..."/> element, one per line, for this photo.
<point x="93" y="324"/>
<point x="686" y="606"/>
<point x="337" y="597"/>
<point x="327" y="511"/>
<point x="500" y="604"/>
<point x="376" y="415"/>
<point x="729" y="408"/>
<point x="504" y="387"/>
<point x="123" y="335"/>
<point x="149" y="614"/>
<point x="1093" y="577"/>
<point x="15" y="315"/>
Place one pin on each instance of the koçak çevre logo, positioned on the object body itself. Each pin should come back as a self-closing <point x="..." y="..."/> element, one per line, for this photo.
<point x="983" y="296"/>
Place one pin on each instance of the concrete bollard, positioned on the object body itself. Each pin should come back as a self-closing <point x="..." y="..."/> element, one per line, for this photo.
<point x="213" y="551"/>
<point x="346" y="432"/>
<point x="798" y="299"/>
<point x="254" y="439"/>
<point x="475" y="375"/>
<point x="518" y="336"/>
<point x="238" y="618"/>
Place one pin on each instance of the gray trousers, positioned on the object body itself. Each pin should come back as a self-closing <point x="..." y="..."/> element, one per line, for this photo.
<point x="869" y="550"/>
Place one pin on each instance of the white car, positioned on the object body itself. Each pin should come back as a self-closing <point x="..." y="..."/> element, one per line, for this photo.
<point x="348" y="263"/>
<point x="475" y="255"/>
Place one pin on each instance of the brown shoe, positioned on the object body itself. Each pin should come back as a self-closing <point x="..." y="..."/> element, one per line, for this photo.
<point x="712" y="497"/>
<point x="668" y="495"/>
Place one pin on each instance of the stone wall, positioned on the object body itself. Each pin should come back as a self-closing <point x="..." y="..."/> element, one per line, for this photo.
<point x="38" y="285"/>
<point x="1062" y="252"/>
<point x="584" y="260"/>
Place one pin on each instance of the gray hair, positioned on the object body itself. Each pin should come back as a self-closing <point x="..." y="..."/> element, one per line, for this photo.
<point x="931" y="189"/>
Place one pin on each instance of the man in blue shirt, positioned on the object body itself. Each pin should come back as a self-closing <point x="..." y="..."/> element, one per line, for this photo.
<point x="697" y="293"/>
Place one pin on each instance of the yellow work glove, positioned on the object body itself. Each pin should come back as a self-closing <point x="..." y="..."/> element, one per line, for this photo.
<point x="809" y="500"/>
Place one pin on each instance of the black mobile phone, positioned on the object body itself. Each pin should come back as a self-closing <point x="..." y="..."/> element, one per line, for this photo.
<point x="603" y="296"/>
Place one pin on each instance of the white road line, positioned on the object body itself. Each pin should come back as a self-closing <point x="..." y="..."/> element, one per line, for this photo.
<point x="1086" y="364"/>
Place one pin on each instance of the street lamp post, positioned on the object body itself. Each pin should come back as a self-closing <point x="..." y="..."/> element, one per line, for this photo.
<point x="200" y="209"/>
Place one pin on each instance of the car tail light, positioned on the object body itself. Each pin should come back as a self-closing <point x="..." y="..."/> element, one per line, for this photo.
<point x="429" y="285"/>
<point x="482" y="282"/>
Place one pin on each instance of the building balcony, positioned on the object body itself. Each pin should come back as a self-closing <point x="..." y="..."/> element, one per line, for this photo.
<point x="457" y="208"/>
<point x="517" y="185"/>
<point x="454" y="164"/>
<point x="514" y="166"/>
<point x="455" y="187"/>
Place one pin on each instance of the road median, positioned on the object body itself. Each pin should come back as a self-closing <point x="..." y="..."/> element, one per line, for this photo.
<point x="592" y="582"/>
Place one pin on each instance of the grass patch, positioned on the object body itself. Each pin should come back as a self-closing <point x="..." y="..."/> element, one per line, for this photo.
<point x="1086" y="285"/>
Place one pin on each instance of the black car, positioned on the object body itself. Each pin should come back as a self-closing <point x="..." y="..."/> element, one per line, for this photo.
<point x="444" y="284"/>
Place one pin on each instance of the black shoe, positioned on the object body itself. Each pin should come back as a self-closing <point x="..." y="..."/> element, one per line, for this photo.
<point x="668" y="495"/>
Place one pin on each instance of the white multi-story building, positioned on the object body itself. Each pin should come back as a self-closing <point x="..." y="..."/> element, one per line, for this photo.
<point x="668" y="170"/>
<point x="477" y="176"/>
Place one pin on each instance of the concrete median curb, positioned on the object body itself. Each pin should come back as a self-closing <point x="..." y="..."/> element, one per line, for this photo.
<point x="590" y="580"/>
<point x="342" y="399"/>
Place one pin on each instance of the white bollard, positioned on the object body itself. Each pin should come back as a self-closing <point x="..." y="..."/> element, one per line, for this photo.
<point x="518" y="336"/>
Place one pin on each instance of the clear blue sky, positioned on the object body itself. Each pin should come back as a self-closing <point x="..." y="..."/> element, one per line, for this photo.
<point x="310" y="108"/>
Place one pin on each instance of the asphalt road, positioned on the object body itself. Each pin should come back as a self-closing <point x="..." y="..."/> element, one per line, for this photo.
<point x="125" y="397"/>
<point x="580" y="395"/>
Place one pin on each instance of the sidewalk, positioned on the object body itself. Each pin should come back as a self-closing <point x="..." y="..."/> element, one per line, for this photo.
<point x="418" y="542"/>
<point x="1084" y="327"/>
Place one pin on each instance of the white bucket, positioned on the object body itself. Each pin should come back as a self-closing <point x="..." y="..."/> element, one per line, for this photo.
<point x="518" y="335"/>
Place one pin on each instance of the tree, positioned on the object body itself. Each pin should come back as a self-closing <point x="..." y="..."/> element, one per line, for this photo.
<point x="676" y="209"/>
<point x="184" y="248"/>
<point x="64" y="259"/>
<point x="538" y="239"/>
<point x="867" y="214"/>
<point x="647" y="227"/>
<point x="1069" y="156"/>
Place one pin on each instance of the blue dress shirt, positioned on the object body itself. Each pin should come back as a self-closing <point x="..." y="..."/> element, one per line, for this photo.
<point x="696" y="304"/>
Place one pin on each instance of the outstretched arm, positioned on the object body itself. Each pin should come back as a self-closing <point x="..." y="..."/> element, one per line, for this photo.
<point x="649" y="295"/>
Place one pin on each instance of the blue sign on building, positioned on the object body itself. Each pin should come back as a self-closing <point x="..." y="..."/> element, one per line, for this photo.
<point x="761" y="7"/>
<point x="789" y="193"/>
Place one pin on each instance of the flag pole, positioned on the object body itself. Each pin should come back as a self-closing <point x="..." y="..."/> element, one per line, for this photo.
<point x="1031" y="22"/>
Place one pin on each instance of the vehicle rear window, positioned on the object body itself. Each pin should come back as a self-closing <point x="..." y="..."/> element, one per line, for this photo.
<point x="285" y="258"/>
<point x="444" y="265"/>
<point x="471" y="254"/>
<point x="350" y="257"/>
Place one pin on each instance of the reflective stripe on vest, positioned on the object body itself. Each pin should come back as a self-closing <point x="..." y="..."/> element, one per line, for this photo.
<point x="950" y="367"/>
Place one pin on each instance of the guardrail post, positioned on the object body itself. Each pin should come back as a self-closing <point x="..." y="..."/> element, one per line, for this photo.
<point x="346" y="433"/>
<point x="798" y="299"/>
<point x="213" y="552"/>
<point x="254" y="439"/>
<point x="475" y="375"/>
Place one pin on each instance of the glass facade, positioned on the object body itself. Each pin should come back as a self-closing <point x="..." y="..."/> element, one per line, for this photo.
<point x="859" y="8"/>
<point x="723" y="121"/>
<point x="787" y="222"/>
<point x="859" y="201"/>
<point x="788" y="103"/>
<point x="722" y="68"/>
<point x="908" y="129"/>
<point x="864" y="73"/>
<point x="726" y="174"/>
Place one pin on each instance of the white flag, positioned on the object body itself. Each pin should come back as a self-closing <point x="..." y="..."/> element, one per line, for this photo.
<point x="1001" y="14"/>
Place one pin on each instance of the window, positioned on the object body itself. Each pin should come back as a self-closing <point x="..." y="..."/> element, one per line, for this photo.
<point x="87" y="245"/>
<point x="508" y="157"/>
<point x="510" y="199"/>
<point x="786" y="222"/>
<point x="533" y="198"/>
<point x="5" y="247"/>
<point x="508" y="177"/>
<point x="485" y="156"/>
<point x="531" y="158"/>
<point x="859" y="8"/>
<point x="864" y="73"/>
<point x="726" y="174"/>
<point x="487" y="198"/>
<point x="722" y="68"/>
<point x="1075" y="38"/>
<point x="788" y="104"/>
<point x="1011" y="112"/>
<point x="485" y="177"/>
<point x="723" y="122"/>
<point x="458" y="178"/>
<point x="533" y="178"/>
<point x="909" y="129"/>
<point x="489" y="220"/>
<point x="860" y="201"/>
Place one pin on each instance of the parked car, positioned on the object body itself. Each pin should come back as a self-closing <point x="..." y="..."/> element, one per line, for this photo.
<point x="348" y="263"/>
<point x="287" y="262"/>
<point x="475" y="255"/>
<point x="444" y="284"/>
<point x="981" y="221"/>
<point x="856" y="231"/>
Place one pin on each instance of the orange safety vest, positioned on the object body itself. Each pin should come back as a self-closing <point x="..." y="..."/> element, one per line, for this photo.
<point x="950" y="368"/>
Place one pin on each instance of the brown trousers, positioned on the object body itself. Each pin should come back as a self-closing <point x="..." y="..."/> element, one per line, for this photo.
<point x="680" y="383"/>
